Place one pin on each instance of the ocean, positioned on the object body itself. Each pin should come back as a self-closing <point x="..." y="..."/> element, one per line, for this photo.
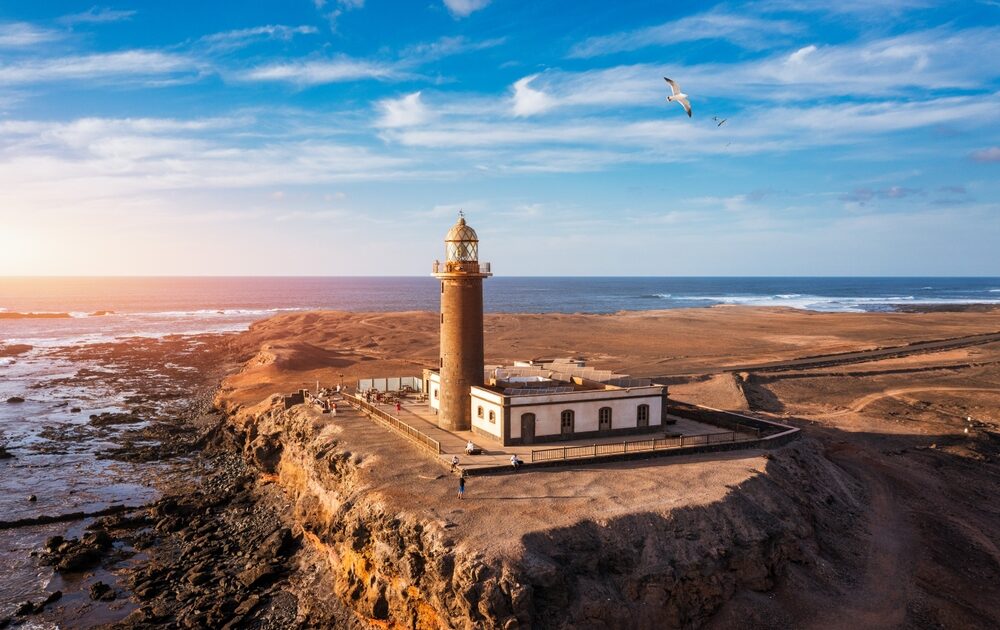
<point x="163" y="305"/>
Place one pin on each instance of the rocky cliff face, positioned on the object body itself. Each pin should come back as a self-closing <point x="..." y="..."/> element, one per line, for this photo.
<point x="648" y="569"/>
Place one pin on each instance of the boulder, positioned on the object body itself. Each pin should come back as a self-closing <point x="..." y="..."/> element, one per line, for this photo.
<point x="99" y="591"/>
<point x="15" y="399"/>
<point x="257" y="574"/>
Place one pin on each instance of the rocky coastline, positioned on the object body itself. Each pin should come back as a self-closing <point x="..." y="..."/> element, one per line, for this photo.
<point x="275" y="517"/>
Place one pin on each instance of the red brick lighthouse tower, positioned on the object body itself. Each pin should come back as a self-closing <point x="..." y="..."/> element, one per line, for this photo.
<point x="461" y="275"/>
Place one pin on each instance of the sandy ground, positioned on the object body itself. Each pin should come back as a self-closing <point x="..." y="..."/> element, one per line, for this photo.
<point x="296" y="350"/>
<point x="523" y="503"/>
<point x="928" y="555"/>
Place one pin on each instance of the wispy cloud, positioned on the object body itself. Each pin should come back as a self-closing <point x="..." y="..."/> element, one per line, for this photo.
<point x="862" y="196"/>
<point x="464" y="8"/>
<point x="45" y="165"/>
<point x="25" y="35"/>
<point x="844" y="7"/>
<point x="446" y="47"/>
<point x="932" y="62"/>
<point x="307" y="72"/>
<point x="317" y="72"/>
<point x="746" y="30"/>
<point x="132" y="65"/>
<point x="232" y="40"/>
<point x="97" y="15"/>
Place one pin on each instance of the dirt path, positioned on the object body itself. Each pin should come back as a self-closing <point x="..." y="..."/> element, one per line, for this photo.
<point x="862" y="356"/>
<point x="884" y="588"/>
<point x="859" y="404"/>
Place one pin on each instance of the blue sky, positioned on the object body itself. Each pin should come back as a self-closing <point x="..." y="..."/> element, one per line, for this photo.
<point x="341" y="137"/>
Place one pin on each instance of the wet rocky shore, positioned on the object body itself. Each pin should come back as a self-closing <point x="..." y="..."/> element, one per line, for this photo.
<point x="209" y="549"/>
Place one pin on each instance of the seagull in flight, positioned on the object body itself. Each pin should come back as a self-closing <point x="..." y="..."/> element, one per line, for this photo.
<point x="677" y="96"/>
<point x="719" y="121"/>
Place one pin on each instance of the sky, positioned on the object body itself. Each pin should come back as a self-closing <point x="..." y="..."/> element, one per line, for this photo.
<point x="342" y="137"/>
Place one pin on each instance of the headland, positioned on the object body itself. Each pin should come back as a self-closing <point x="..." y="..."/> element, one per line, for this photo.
<point x="880" y="513"/>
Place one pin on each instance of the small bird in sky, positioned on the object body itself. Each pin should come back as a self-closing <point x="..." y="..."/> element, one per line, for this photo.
<point x="677" y="96"/>
<point x="719" y="121"/>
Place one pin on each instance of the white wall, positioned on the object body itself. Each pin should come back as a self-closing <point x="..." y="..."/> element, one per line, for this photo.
<point x="434" y="395"/>
<point x="489" y="401"/>
<point x="624" y="405"/>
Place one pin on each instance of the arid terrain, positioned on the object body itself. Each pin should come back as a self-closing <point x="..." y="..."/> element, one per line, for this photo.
<point x="882" y="515"/>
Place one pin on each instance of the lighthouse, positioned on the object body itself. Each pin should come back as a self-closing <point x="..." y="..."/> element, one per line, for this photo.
<point x="461" y="361"/>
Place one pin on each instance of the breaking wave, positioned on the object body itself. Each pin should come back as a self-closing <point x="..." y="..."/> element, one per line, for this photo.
<point x="827" y="303"/>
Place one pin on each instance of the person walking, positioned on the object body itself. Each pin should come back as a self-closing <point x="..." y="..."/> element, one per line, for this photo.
<point x="461" y="486"/>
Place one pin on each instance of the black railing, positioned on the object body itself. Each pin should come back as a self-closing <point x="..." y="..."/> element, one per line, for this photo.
<point x="639" y="446"/>
<point x="395" y="424"/>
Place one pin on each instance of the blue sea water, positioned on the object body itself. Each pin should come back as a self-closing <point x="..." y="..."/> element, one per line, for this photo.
<point x="163" y="305"/>
<point x="253" y="296"/>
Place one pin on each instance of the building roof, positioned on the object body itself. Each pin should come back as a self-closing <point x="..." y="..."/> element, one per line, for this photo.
<point x="461" y="232"/>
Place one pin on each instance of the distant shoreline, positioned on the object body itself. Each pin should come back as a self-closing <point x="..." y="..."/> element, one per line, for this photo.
<point x="6" y="315"/>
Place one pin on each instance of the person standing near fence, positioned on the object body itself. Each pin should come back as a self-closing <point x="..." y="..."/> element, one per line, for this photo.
<point x="461" y="486"/>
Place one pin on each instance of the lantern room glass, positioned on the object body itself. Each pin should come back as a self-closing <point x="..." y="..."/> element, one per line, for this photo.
<point x="462" y="251"/>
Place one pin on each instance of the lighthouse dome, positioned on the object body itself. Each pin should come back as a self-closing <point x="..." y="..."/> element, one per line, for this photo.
<point x="461" y="232"/>
<point x="461" y="244"/>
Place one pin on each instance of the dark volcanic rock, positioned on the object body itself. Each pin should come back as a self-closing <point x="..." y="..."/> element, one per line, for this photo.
<point x="31" y="608"/>
<point x="257" y="574"/>
<point x="109" y="418"/>
<point x="5" y="454"/>
<point x="99" y="591"/>
<point x="73" y="555"/>
<point x="15" y="399"/>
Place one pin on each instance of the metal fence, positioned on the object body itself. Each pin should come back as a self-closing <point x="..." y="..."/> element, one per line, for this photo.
<point x="395" y="424"/>
<point x="638" y="446"/>
<point x="391" y="383"/>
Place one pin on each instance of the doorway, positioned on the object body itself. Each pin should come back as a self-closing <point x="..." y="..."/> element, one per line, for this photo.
<point x="528" y="428"/>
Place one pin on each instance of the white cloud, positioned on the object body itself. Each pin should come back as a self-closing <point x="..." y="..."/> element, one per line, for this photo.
<point x="324" y="71"/>
<point x="97" y="15"/>
<point x="25" y="35"/>
<point x="230" y="40"/>
<point x="528" y="101"/>
<point x="445" y="47"/>
<point x="745" y="30"/>
<point x="845" y="7"/>
<point x="929" y="62"/>
<point x="62" y="166"/>
<point x="464" y="8"/>
<point x="130" y="64"/>
<point x="406" y="111"/>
